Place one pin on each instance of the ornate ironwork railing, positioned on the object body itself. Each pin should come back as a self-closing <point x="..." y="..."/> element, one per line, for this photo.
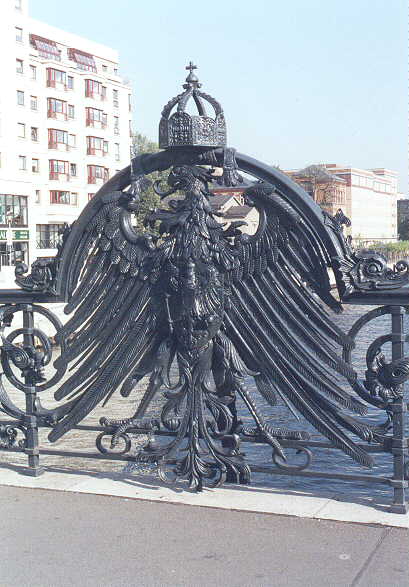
<point x="199" y="308"/>
<point x="27" y="352"/>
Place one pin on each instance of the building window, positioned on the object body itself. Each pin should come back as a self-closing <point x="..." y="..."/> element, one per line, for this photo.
<point x="115" y="98"/>
<point x="56" y="77"/>
<point x="94" y="89"/>
<point x="21" y="129"/>
<point x="33" y="103"/>
<point x="96" y="146"/>
<point x="72" y="141"/>
<point x="19" y="66"/>
<point x="37" y="196"/>
<point x="57" y="137"/>
<point x="70" y="82"/>
<point x="58" y="168"/>
<point x="34" y="133"/>
<point x="115" y="71"/>
<point x="104" y="68"/>
<point x="48" y="235"/>
<point x="97" y="172"/>
<point x="19" y="34"/>
<point x="71" y="111"/>
<point x="22" y="162"/>
<point x="90" y="195"/>
<point x="73" y="169"/>
<point x="13" y="210"/>
<point x="93" y="115"/>
<point x="116" y="125"/>
<point x="20" y="98"/>
<point x="56" y="107"/>
<point x="84" y="61"/>
<point x="62" y="197"/>
<point x="117" y="154"/>
<point x="46" y="48"/>
<point x="33" y="72"/>
<point x="18" y="254"/>
<point x="74" y="199"/>
<point x="35" y="165"/>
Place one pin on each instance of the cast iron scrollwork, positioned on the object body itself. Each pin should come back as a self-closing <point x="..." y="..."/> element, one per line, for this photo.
<point x="371" y="272"/>
<point x="383" y="381"/>
<point x="25" y="353"/>
<point x="9" y="436"/>
<point x="43" y="275"/>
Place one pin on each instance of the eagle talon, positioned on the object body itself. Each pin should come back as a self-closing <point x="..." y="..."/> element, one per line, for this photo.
<point x="123" y="426"/>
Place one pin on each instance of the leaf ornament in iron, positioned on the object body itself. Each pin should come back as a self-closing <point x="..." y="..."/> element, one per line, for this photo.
<point x="200" y="309"/>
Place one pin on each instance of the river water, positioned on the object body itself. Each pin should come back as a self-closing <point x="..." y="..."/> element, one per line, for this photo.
<point x="323" y="459"/>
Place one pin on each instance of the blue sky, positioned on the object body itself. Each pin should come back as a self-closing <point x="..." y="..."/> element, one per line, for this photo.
<point x="301" y="81"/>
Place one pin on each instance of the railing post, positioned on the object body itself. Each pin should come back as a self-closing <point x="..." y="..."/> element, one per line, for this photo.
<point x="400" y="451"/>
<point x="32" y="449"/>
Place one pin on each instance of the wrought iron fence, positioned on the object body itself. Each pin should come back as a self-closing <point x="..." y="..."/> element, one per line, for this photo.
<point x="192" y="294"/>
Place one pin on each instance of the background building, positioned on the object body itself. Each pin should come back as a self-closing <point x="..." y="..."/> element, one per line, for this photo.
<point x="367" y="196"/>
<point x="326" y="188"/>
<point x="229" y="202"/>
<point x="64" y="129"/>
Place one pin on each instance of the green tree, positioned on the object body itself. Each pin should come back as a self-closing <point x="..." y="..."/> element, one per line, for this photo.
<point x="150" y="200"/>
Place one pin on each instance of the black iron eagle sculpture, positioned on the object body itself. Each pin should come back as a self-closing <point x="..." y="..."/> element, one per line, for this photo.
<point x="200" y="309"/>
<point x="221" y="306"/>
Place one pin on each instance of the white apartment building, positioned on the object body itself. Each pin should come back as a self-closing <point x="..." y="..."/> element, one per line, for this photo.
<point x="64" y="129"/>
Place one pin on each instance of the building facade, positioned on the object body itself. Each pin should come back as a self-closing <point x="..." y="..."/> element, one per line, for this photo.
<point x="367" y="196"/>
<point x="64" y="129"/>
<point x="326" y="188"/>
<point x="228" y="201"/>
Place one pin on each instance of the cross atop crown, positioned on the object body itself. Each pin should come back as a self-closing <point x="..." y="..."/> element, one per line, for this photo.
<point x="192" y="79"/>
<point x="191" y="67"/>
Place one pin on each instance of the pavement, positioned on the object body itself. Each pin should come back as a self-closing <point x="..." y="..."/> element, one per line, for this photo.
<point x="62" y="538"/>
<point x="69" y="528"/>
<point x="319" y="505"/>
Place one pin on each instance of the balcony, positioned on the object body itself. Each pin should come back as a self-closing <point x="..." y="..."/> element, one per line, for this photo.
<point x="57" y="115"/>
<point x="96" y="96"/>
<point x="57" y="85"/>
<point x="97" y="152"/>
<point x="96" y="180"/>
<point x="59" y="176"/>
<point x="50" y="243"/>
<point x="59" y="146"/>
<point x="90" y="122"/>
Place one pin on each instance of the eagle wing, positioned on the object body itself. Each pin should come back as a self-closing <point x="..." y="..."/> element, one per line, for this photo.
<point x="277" y="321"/>
<point x="115" y="327"/>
